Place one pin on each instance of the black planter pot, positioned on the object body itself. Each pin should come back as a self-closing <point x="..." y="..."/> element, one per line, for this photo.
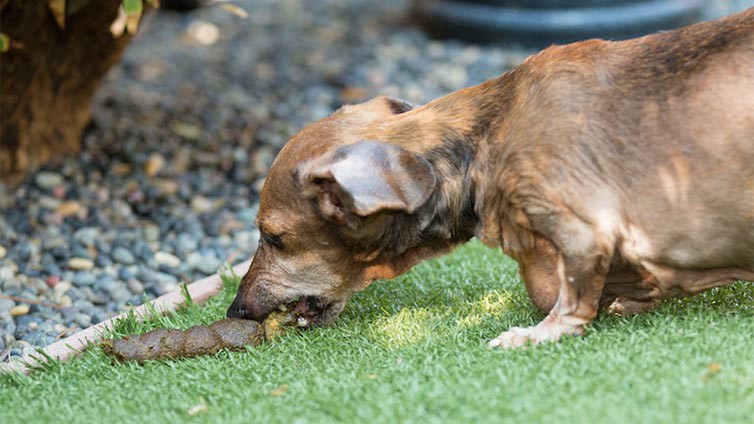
<point x="182" y="5"/>
<point x="539" y="23"/>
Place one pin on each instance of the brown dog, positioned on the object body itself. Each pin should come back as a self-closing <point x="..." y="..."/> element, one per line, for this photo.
<point x="615" y="173"/>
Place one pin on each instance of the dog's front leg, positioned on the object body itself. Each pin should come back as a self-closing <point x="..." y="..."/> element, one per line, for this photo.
<point x="582" y="278"/>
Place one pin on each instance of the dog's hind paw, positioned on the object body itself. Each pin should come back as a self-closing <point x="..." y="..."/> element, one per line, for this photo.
<point x="627" y="307"/>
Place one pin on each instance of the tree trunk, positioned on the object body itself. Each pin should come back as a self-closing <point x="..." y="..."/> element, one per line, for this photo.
<point x="48" y="79"/>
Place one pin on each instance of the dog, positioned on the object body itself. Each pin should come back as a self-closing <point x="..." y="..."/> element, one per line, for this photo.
<point x="615" y="173"/>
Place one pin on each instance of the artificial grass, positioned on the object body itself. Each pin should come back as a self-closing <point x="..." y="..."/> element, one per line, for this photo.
<point x="414" y="350"/>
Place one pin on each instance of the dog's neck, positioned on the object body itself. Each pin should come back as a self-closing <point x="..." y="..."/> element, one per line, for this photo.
<point x="452" y="133"/>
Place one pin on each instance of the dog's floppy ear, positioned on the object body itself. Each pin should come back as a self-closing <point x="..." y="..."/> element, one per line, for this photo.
<point x="398" y="105"/>
<point x="361" y="179"/>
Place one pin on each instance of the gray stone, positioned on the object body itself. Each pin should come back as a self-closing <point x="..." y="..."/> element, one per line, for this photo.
<point x="62" y="288"/>
<point x="7" y="338"/>
<point x="47" y="326"/>
<point x="69" y="313"/>
<point x="193" y="259"/>
<point x="65" y="301"/>
<point x="49" y="243"/>
<point x="209" y="264"/>
<point x="152" y="233"/>
<point x="24" y="251"/>
<point x="103" y="261"/>
<point x="126" y="273"/>
<point x="8" y="329"/>
<point x="122" y="210"/>
<point x="83" y="320"/>
<point x="120" y="294"/>
<point x="48" y="202"/>
<point x="83" y="304"/>
<point x="87" y="235"/>
<point x="26" y="323"/>
<point x="144" y="252"/>
<point x="67" y="275"/>
<point x="5" y="318"/>
<point x="47" y="180"/>
<point x="156" y="277"/>
<point x="163" y="287"/>
<point x="20" y="344"/>
<point x="135" y="286"/>
<point x="96" y="297"/>
<point x="107" y="284"/>
<point x="78" y="250"/>
<point x="51" y="269"/>
<point x="248" y="214"/>
<point x="38" y="339"/>
<point x="201" y="204"/>
<point x="102" y="246"/>
<point x="6" y="305"/>
<point x="98" y="317"/>
<point x="185" y="243"/>
<point x="83" y="278"/>
<point x="123" y="255"/>
<point x="7" y="273"/>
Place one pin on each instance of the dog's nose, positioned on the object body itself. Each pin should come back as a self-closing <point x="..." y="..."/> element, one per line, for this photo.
<point x="236" y="310"/>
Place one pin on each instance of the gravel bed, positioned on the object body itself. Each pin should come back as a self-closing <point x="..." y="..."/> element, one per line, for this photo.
<point x="166" y="187"/>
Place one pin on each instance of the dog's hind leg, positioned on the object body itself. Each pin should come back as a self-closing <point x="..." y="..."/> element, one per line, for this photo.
<point x="583" y="262"/>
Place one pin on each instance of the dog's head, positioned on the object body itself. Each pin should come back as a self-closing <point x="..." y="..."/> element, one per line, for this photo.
<point x="337" y="211"/>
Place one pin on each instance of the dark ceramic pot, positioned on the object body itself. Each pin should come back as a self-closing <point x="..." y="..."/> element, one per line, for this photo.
<point x="182" y="5"/>
<point x="538" y="23"/>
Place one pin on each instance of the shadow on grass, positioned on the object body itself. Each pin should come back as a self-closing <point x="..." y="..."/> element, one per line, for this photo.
<point x="477" y="292"/>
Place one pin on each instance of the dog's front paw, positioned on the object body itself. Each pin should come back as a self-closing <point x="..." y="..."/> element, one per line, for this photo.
<point x="514" y="338"/>
<point x="549" y="330"/>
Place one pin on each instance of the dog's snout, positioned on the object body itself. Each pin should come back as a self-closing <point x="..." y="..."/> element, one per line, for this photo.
<point x="236" y="310"/>
<point x="252" y="303"/>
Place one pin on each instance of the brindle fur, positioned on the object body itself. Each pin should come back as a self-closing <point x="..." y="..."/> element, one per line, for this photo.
<point x="613" y="172"/>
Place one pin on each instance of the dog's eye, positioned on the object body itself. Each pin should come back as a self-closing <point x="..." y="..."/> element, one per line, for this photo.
<point x="271" y="239"/>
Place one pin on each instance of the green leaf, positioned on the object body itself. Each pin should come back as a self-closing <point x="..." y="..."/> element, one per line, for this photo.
<point x="132" y="6"/>
<point x="4" y="43"/>
<point x="133" y="10"/>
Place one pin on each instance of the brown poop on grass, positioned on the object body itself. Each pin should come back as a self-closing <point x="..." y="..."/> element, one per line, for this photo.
<point x="230" y="333"/>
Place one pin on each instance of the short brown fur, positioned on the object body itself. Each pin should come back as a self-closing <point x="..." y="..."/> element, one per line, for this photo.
<point x="615" y="173"/>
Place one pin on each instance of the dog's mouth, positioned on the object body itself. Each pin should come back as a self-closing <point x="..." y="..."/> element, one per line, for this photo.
<point x="309" y="311"/>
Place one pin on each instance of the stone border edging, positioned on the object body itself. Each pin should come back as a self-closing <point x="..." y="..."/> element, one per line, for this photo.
<point x="73" y="345"/>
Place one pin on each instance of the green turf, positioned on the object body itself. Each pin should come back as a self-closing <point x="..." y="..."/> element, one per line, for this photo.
<point x="414" y="350"/>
